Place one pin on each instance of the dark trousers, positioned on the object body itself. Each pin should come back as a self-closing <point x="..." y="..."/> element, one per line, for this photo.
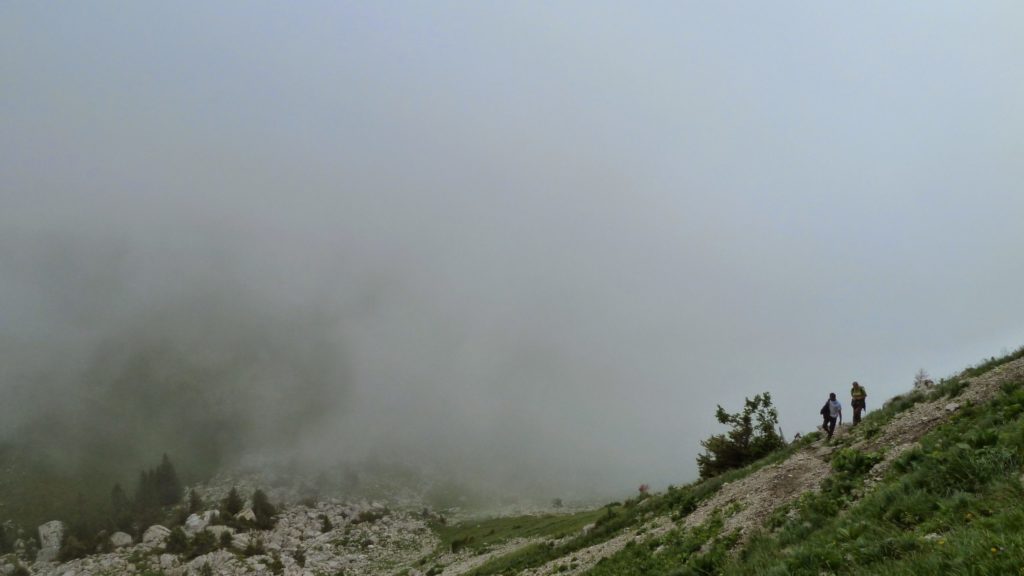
<point x="830" y="425"/>
<point x="858" y="407"/>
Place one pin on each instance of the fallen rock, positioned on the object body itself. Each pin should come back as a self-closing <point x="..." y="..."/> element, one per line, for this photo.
<point x="217" y="531"/>
<point x="247" y="515"/>
<point x="195" y="524"/>
<point x="155" y="536"/>
<point x="51" y="535"/>
<point x="120" y="540"/>
<point x="168" y="561"/>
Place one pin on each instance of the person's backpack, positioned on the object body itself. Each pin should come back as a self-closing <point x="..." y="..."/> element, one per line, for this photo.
<point x="824" y="409"/>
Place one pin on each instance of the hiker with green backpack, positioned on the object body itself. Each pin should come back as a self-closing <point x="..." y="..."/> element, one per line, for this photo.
<point x="857" y="396"/>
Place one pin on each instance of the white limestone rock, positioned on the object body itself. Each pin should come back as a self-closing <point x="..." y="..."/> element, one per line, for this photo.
<point x="247" y="515"/>
<point x="195" y="524"/>
<point x="155" y="536"/>
<point x="51" y="535"/>
<point x="120" y="539"/>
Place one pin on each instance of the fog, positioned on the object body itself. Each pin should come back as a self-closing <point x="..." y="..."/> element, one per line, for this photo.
<point x="532" y="245"/>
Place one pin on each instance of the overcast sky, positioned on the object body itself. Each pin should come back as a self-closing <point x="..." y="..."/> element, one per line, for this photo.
<point x="545" y="236"/>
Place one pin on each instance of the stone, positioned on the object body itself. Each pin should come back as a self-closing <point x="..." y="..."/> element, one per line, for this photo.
<point x="155" y="536"/>
<point x="195" y="524"/>
<point x="952" y="407"/>
<point x="51" y="535"/>
<point x="240" y="541"/>
<point x="168" y="561"/>
<point x="218" y="530"/>
<point x="247" y="515"/>
<point x="120" y="540"/>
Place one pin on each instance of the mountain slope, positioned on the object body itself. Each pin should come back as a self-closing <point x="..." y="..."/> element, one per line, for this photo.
<point x="807" y="512"/>
<point x="929" y="484"/>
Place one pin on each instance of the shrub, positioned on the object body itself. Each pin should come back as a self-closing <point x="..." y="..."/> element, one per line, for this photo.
<point x="255" y="546"/>
<point x="325" y="524"/>
<point x="264" y="511"/>
<point x="753" y="436"/>
<point x="195" y="502"/>
<point x="854" y="462"/>
<point x="177" y="542"/>
<point x="202" y="543"/>
<point x="232" y="503"/>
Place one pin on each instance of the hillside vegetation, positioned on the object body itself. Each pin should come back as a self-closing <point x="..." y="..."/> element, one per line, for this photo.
<point x="930" y="484"/>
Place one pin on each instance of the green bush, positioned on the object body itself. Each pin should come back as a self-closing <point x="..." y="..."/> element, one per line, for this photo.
<point x="177" y="541"/>
<point x="753" y="436"/>
<point x="265" y="512"/>
<point x="854" y="462"/>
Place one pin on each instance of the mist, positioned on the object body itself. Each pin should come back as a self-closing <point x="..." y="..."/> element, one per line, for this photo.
<point x="530" y="246"/>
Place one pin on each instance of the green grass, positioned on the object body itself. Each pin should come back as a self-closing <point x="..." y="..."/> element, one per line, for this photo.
<point x="616" y="518"/>
<point x="986" y="365"/>
<point x="480" y="535"/>
<point x="953" y="506"/>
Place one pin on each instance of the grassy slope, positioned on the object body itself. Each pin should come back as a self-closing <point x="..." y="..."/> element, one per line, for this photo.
<point x="953" y="506"/>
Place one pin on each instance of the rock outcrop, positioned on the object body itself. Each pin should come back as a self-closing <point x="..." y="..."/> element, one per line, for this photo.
<point x="51" y="536"/>
<point x="120" y="539"/>
<point x="155" y="536"/>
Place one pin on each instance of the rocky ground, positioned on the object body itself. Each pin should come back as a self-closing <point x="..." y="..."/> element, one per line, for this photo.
<point x="362" y="538"/>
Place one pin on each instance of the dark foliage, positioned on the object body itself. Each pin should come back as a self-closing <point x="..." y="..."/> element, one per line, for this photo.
<point x="177" y="542"/>
<point x="265" y="512"/>
<point x="753" y="436"/>
<point x="157" y="488"/>
<point x="120" y="509"/>
<point x="195" y="501"/>
<point x="231" y="504"/>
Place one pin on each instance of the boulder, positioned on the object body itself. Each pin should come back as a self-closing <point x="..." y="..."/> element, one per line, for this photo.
<point x="155" y="536"/>
<point x="51" y="535"/>
<point x="218" y="530"/>
<point x="240" y="541"/>
<point x="120" y="540"/>
<point x="218" y="561"/>
<point x="247" y="515"/>
<point x="195" y="524"/>
<point x="168" y="561"/>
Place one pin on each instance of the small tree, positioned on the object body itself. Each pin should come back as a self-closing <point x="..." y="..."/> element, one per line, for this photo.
<point x="195" y="501"/>
<point x="202" y="543"/>
<point x="168" y="486"/>
<point x="752" y="436"/>
<point x="177" y="541"/>
<point x="922" y="379"/>
<point x="263" y="510"/>
<point x="232" y="503"/>
<point x="121" y="508"/>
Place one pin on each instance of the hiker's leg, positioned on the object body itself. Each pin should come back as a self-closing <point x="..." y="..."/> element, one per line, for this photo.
<point x="831" y="426"/>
